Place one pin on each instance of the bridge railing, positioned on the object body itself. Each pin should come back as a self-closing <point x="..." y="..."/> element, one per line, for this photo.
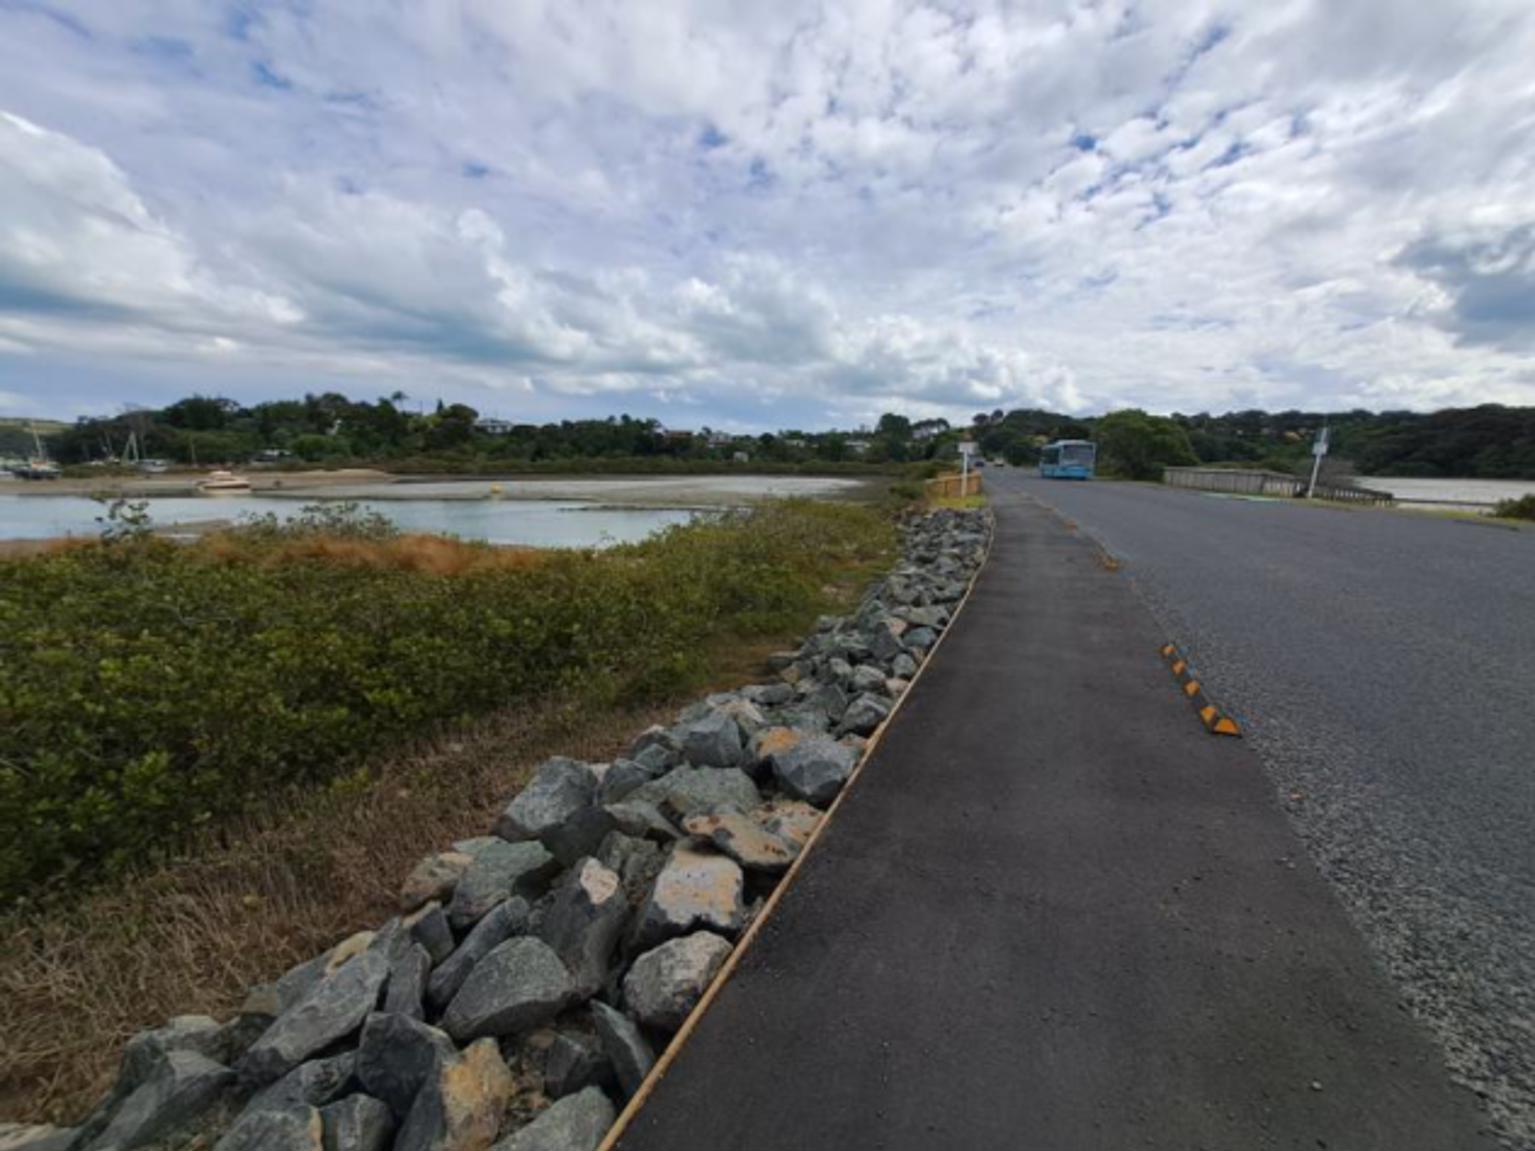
<point x="954" y="486"/>
<point x="1257" y="482"/>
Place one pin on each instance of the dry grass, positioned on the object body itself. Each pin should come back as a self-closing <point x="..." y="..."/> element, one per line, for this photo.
<point x="435" y="555"/>
<point x="191" y="936"/>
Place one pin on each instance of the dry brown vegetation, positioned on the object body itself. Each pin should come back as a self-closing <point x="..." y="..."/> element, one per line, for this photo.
<point x="432" y="555"/>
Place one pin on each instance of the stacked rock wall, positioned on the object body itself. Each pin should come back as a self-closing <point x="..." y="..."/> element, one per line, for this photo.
<point x="532" y="974"/>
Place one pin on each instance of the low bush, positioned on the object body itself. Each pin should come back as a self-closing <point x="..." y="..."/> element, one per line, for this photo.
<point x="1521" y="509"/>
<point x="153" y="688"/>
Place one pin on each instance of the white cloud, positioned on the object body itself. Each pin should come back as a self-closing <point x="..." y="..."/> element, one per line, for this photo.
<point x="783" y="213"/>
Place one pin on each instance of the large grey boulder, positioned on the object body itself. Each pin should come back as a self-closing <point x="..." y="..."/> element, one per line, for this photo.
<point x="499" y="871"/>
<point x="434" y="877"/>
<point x="744" y="839"/>
<point x="641" y="819"/>
<point x="295" y="1128"/>
<point x="303" y="978"/>
<point x="691" y="789"/>
<point x="333" y="1009"/>
<point x="903" y="666"/>
<point x="583" y="924"/>
<point x="428" y="926"/>
<point x="884" y="639"/>
<point x="459" y="1107"/>
<point x="636" y="861"/>
<point x="866" y="679"/>
<point x="769" y="694"/>
<point x="864" y="714"/>
<point x="396" y="1055"/>
<point x="505" y="920"/>
<point x="519" y="986"/>
<point x="575" y="1123"/>
<point x="920" y="638"/>
<point x="558" y="790"/>
<point x="181" y="1089"/>
<point x="713" y="740"/>
<point x="829" y="698"/>
<point x="316" y="1083"/>
<point x="625" y="1044"/>
<point x="621" y="778"/>
<point x="357" y="1123"/>
<point x="36" y="1137"/>
<point x="574" y="1060"/>
<point x="408" y="974"/>
<point x="815" y="769"/>
<point x="666" y="983"/>
<point x="695" y="889"/>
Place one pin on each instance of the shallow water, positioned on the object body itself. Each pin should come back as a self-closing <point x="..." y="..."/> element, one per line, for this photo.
<point x="1432" y="492"/>
<point x="530" y="523"/>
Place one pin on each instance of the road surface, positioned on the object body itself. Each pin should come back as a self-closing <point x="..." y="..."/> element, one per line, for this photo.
<point x="1384" y="667"/>
<point x="1054" y="913"/>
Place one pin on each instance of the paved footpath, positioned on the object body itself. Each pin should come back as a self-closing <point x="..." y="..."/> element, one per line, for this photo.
<point x="1054" y="913"/>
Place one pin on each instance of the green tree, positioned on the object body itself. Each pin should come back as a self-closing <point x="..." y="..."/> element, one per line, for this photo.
<point x="1138" y="446"/>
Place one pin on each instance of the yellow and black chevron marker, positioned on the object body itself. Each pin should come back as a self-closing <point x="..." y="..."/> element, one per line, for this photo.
<point x="1215" y="723"/>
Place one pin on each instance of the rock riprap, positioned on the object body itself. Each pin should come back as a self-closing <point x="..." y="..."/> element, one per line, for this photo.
<point x="570" y="942"/>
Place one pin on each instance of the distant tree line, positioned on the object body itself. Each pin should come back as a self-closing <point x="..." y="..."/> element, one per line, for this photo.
<point x="1490" y="441"/>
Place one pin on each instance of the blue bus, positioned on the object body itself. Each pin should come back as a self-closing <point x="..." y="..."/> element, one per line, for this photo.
<point x="1068" y="460"/>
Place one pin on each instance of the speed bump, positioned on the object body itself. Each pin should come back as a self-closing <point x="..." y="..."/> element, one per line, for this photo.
<point x="1216" y="722"/>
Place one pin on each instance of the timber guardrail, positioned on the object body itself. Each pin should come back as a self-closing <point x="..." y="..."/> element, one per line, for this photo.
<point x="954" y="486"/>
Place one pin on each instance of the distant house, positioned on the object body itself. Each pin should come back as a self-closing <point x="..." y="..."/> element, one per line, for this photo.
<point x="858" y="447"/>
<point x="493" y="427"/>
<point x="741" y="458"/>
<point x="720" y="439"/>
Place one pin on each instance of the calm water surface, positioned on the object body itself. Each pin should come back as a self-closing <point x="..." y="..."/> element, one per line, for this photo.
<point x="531" y="523"/>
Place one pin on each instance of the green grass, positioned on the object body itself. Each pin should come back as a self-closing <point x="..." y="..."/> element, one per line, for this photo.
<point x="153" y="689"/>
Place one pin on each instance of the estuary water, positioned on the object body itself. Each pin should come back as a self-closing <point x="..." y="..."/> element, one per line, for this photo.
<point x="529" y="523"/>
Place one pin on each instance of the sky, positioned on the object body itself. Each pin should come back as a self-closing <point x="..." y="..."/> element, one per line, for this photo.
<point x="755" y="215"/>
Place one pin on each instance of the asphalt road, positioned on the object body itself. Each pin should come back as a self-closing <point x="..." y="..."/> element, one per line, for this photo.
<point x="1054" y="913"/>
<point x="1383" y="665"/>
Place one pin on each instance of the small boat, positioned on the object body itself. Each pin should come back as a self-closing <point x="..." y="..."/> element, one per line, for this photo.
<point x="39" y="466"/>
<point x="222" y="483"/>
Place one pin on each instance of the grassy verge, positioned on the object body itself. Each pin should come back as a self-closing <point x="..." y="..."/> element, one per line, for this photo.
<point x="254" y="891"/>
<point x="154" y="689"/>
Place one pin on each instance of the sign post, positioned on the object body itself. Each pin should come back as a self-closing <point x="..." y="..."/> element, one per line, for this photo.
<point x="1318" y="450"/>
<point x="967" y="448"/>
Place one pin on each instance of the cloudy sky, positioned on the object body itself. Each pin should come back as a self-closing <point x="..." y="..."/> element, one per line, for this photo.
<point x="751" y="215"/>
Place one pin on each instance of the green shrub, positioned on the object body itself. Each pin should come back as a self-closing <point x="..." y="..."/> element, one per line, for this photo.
<point x="1521" y="509"/>
<point x="152" y="687"/>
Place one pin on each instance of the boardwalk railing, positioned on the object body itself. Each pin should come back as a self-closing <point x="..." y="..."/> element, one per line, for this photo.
<point x="1254" y="482"/>
<point x="954" y="486"/>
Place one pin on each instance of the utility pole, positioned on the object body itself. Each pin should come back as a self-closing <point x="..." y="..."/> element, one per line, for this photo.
<point x="1318" y="450"/>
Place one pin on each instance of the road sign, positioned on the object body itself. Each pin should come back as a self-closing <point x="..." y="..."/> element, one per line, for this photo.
<point x="969" y="448"/>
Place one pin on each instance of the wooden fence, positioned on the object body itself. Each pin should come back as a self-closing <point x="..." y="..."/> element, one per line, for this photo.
<point x="954" y="486"/>
<point x="1261" y="483"/>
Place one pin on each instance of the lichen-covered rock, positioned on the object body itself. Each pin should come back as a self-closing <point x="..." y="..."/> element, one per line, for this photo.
<point x="575" y="1123"/>
<point x="520" y="985"/>
<point x="665" y="984"/>
<point x="690" y="789"/>
<point x="505" y="920"/>
<point x="459" y="1107"/>
<point x="625" y="1044"/>
<point x="396" y="1055"/>
<point x="744" y="839"/>
<point x="636" y="861"/>
<point x="294" y="1128"/>
<point x="790" y="819"/>
<point x="301" y="979"/>
<point x="499" y="871"/>
<point x="357" y="1123"/>
<point x="558" y="790"/>
<point x="182" y="1087"/>
<point x="583" y="924"/>
<point x="333" y="1009"/>
<point x="694" y="890"/>
<point x="815" y="769"/>
<point x="767" y="743"/>
<point x="434" y="877"/>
